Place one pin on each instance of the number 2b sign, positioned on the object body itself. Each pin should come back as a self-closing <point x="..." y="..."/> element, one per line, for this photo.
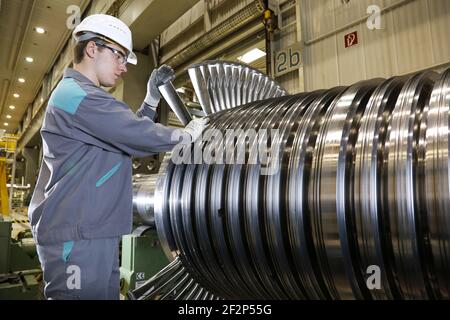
<point x="287" y="60"/>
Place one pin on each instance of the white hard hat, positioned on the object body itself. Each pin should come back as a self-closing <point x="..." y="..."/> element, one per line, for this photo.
<point x="109" y="27"/>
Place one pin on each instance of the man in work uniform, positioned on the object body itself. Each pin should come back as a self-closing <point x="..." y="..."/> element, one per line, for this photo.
<point x="82" y="202"/>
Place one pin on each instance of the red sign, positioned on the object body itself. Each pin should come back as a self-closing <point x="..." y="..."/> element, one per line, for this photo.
<point x="351" y="39"/>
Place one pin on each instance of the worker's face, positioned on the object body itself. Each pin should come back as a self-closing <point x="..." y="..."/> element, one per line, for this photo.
<point x="109" y="64"/>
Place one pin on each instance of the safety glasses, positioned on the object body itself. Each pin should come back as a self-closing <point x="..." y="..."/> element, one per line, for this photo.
<point x="121" y="57"/>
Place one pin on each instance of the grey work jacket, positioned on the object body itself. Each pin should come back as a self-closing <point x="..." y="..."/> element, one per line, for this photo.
<point x="84" y="189"/>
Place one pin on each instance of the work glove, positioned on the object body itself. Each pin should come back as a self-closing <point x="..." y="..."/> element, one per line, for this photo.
<point x="195" y="127"/>
<point x="158" y="77"/>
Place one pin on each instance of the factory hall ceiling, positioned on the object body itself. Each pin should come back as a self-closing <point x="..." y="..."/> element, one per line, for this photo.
<point x="19" y="23"/>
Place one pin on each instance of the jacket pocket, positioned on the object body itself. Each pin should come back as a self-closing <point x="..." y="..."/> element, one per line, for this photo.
<point x="108" y="175"/>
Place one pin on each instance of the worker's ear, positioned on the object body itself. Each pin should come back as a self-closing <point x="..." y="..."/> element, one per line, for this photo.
<point x="90" y="49"/>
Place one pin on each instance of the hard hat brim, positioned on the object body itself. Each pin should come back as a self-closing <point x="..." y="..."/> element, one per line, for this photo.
<point x="132" y="58"/>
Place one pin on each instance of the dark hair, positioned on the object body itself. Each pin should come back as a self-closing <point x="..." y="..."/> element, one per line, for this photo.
<point x="78" y="50"/>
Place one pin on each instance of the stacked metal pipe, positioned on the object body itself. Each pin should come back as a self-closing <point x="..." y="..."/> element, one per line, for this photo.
<point x="223" y="85"/>
<point x="362" y="186"/>
<point x="172" y="282"/>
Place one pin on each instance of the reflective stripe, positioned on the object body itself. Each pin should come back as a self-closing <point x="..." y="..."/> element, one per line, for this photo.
<point x="67" y="248"/>
<point x="108" y="175"/>
<point x="67" y="96"/>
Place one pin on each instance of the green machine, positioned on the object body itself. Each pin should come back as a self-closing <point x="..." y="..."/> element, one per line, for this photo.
<point x="20" y="271"/>
<point x="141" y="258"/>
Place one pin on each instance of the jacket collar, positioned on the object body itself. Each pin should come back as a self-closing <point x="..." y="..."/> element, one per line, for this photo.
<point x="71" y="73"/>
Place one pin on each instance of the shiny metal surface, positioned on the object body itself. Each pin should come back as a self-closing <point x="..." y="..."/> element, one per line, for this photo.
<point x="162" y="218"/>
<point x="171" y="283"/>
<point x="221" y="85"/>
<point x="368" y="175"/>
<point x="143" y="199"/>
<point x="174" y="101"/>
<point x="362" y="182"/>
<point x="437" y="174"/>
<point x="405" y="182"/>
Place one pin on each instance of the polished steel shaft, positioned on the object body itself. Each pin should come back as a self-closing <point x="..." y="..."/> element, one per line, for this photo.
<point x="143" y="193"/>
<point x="361" y="191"/>
<point x="174" y="101"/>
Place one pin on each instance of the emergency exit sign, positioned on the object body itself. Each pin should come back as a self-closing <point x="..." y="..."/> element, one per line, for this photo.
<point x="351" y="39"/>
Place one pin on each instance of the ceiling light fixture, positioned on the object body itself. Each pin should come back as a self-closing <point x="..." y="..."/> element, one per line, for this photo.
<point x="8" y="116"/>
<point x="39" y="30"/>
<point x="29" y="59"/>
<point x="12" y="107"/>
<point x="252" y="55"/>
<point x="6" y="124"/>
<point x="21" y="80"/>
<point x="16" y="95"/>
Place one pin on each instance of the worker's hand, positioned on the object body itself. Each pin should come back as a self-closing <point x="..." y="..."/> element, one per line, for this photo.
<point x="195" y="128"/>
<point x="158" y="77"/>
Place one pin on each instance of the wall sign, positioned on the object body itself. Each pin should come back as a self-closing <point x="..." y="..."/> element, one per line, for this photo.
<point x="287" y="60"/>
<point x="351" y="39"/>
